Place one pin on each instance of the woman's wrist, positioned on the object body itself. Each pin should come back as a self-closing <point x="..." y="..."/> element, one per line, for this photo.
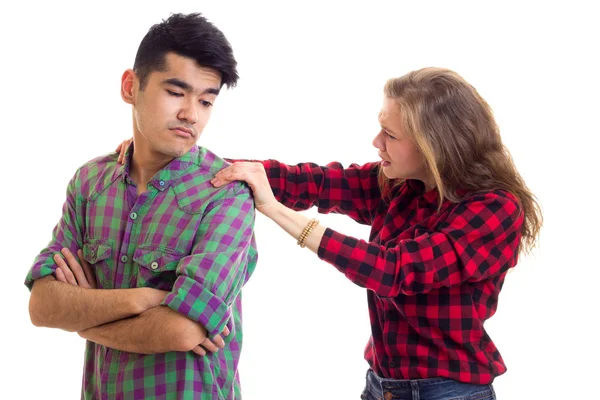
<point x="273" y="210"/>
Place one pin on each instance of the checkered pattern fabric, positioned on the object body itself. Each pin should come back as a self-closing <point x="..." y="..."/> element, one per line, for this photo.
<point x="182" y="235"/>
<point x="433" y="276"/>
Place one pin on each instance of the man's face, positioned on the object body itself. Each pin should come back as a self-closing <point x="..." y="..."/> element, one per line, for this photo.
<point x="170" y="113"/>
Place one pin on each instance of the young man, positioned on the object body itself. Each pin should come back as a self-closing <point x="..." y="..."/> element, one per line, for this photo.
<point x="163" y="254"/>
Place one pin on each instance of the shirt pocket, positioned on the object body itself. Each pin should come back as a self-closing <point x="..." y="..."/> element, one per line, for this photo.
<point x="157" y="266"/>
<point x="98" y="254"/>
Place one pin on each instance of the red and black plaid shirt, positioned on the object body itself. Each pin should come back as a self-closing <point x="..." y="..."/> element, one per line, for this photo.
<point x="433" y="277"/>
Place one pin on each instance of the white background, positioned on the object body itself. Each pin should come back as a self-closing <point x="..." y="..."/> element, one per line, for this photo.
<point x="310" y="90"/>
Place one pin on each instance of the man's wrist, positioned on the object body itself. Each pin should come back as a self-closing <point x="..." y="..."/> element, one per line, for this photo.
<point x="147" y="298"/>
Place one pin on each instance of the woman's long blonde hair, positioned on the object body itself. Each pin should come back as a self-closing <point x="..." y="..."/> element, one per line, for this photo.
<point x="455" y="130"/>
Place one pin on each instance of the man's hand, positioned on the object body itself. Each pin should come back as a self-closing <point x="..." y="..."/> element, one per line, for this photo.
<point x="121" y="150"/>
<point x="72" y="272"/>
<point x="213" y="346"/>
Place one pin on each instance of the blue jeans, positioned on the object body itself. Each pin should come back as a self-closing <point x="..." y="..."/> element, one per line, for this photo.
<point x="423" y="389"/>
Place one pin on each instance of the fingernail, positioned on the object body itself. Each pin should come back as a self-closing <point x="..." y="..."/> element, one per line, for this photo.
<point x="65" y="251"/>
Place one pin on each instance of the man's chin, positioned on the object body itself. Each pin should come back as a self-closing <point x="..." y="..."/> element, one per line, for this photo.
<point x="178" y="152"/>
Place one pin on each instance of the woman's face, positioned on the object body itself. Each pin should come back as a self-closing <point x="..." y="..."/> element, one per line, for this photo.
<point x="400" y="157"/>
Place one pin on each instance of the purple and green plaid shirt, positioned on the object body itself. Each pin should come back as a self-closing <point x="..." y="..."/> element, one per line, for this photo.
<point x="182" y="235"/>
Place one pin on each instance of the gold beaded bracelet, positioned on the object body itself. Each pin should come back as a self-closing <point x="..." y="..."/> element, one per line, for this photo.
<point x="306" y="232"/>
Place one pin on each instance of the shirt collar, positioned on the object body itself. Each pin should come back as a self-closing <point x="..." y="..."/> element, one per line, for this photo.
<point x="431" y="196"/>
<point x="167" y="175"/>
<point x="418" y="188"/>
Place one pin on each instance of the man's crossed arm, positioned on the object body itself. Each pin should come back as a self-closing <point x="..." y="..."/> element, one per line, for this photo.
<point x="125" y="319"/>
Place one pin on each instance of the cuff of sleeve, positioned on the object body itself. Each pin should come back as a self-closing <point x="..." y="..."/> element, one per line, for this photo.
<point x="322" y="250"/>
<point x="337" y="249"/>
<point x="39" y="272"/>
<point x="199" y="304"/>
<point x="331" y="247"/>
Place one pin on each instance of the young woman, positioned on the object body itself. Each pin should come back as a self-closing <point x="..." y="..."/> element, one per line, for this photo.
<point x="450" y="215"/>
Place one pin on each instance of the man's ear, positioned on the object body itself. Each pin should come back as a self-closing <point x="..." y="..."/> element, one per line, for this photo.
<point x="128" y="86"/>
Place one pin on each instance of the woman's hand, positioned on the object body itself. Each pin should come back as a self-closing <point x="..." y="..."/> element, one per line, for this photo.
<point x="121" y="150"/>
<point x="255" y="175"/>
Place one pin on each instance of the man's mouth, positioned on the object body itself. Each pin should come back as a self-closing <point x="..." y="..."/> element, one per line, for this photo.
<point x="183" y="132"/>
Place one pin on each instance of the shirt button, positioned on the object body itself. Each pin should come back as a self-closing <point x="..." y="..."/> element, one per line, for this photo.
<point x="124" y="259"/>
<point x="133" y="215"/>
<point x="154" y="265"/>
<point x="92" y="252"/>
<point x="161" y="183"/>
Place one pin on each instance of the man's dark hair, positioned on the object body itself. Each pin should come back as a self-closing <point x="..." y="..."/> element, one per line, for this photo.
<point x="188" y="35"/>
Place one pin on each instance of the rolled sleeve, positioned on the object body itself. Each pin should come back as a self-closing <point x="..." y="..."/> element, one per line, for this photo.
<point x="223" y="258"/>
<point x="65" y="234"/>
<point x="190" y="298"/>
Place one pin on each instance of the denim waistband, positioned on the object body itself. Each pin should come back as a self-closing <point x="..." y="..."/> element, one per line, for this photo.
<point x="425" y="388"/>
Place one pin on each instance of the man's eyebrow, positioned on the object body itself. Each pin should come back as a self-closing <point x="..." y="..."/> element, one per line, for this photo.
<point x="187" y="87"/>
<point x="214" y="91"/>
<point x="179" y="83"/>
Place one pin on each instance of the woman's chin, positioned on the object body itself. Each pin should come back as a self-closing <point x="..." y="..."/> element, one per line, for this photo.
<point x="389" y="173"/>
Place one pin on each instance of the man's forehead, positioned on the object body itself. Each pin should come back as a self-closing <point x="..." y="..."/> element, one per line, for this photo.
<point x="186" y="73"/>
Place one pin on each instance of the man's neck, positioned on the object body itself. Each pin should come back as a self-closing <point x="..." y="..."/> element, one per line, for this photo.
<point x="144" y="167"/>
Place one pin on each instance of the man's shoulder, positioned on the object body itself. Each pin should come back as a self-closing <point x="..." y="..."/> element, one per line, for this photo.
<point x="209" y="162"/>
<point x="102" y="162"/>
<point x="218" y="163"/>
<point x="95" y="175"/>
<point x="194" y="189"/>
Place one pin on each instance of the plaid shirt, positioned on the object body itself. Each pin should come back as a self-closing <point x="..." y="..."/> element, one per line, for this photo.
<point x="433" y="277"/>
<point x="181" y="235"/>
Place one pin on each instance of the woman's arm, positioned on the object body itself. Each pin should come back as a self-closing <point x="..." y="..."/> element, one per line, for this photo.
<point x="478" y="239"/>
<point x="352" y="191"/>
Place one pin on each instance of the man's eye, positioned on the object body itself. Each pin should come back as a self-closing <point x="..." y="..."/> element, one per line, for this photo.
<point x="205" y="103"/>
<point x="172" y="93"/>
